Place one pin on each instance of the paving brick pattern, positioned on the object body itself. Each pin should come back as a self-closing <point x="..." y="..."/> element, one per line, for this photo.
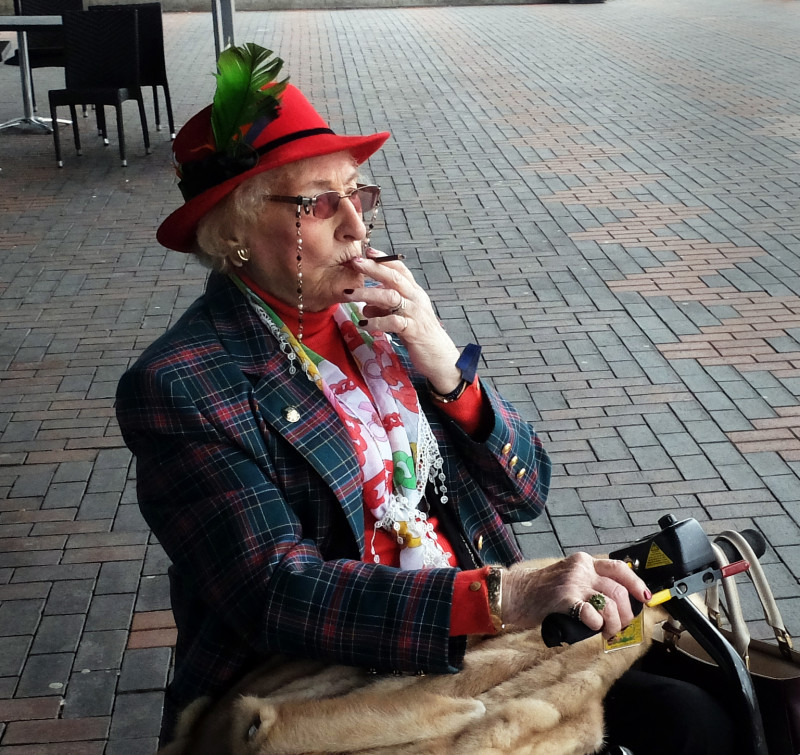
<point x="604" y="196"/>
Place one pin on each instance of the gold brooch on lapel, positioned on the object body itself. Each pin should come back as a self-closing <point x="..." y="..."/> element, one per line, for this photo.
<point x="290" y="413"/>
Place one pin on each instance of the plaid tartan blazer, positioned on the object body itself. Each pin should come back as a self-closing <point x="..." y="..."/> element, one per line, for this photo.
<point x="262" y="516"/>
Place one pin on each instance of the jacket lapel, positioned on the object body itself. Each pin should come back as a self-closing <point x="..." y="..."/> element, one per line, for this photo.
<point x="290" y="405"/>
<point x="294" y="407"/>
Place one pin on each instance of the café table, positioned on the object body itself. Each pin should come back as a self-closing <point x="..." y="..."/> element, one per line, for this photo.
<point x="28" y="122"/>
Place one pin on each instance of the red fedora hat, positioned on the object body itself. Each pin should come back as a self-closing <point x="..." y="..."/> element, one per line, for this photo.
<point x="298" y="131"/>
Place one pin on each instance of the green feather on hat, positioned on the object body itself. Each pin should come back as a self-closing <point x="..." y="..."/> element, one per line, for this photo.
<point x="247" y="96"/>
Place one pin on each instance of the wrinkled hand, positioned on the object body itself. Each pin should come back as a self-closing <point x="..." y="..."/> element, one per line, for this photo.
<point x="399" y="305"/>
<point x="529" y="595"/>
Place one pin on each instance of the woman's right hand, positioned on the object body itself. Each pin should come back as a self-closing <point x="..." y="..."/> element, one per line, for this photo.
<point x="399" y="305"/>
<point x="529" y="595"/>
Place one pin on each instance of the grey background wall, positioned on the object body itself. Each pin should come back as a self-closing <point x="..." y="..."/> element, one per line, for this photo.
<point x="7" y="6"/>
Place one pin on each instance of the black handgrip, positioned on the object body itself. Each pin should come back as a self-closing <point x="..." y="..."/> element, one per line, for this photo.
<point x="560" y="629"/>
<point x="754" y="539"/>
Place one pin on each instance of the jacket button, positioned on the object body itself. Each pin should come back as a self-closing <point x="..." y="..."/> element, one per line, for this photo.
<point x="290" y="413"/>
<point x="479" y="543"/>
<point x="506" y="449"/>
<point x="474" y="586"/>
<point x="521" y="473"/>
<point x="513" y="461"/>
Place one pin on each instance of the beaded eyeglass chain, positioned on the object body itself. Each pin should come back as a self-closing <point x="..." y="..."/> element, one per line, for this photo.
<point x="300" y="306"/>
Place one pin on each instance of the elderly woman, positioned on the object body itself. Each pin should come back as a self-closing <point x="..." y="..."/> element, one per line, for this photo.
<point x="328" y="475"/>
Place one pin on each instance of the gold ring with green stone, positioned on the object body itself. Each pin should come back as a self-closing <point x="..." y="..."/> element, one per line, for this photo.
<point x="598" y="601"/>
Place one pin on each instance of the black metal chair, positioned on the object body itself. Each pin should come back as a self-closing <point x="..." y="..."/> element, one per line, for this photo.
<point x="45" y="47"/>
<point x="153" y="66"/>
<point x="102" y="68"/>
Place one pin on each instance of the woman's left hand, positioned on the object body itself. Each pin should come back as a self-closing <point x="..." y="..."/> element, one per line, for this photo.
<point x="529" y="595"/>
<point x="401" y="306"/>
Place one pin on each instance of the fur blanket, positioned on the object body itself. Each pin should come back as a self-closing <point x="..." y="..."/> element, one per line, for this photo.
<point x="514" y="696"/>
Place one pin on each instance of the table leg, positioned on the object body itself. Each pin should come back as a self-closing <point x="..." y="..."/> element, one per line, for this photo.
<point x="28" y="123"/>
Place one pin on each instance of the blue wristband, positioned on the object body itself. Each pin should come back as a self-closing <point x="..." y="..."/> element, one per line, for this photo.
<point x="468" y="362"/>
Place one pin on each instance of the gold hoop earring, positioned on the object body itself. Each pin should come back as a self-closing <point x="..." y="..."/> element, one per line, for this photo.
<point x="243" y="253"/>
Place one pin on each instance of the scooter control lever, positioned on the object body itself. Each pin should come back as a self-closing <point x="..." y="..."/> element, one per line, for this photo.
<point x="697" y="582"/>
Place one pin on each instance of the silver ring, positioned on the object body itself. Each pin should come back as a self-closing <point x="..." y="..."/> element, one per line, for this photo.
<point x="577" y="607"/>
<point x="399" y="308"/>
<point x="405" y="325"/>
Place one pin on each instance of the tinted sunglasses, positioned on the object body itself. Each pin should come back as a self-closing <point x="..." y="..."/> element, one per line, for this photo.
<point x="364" y="197"/>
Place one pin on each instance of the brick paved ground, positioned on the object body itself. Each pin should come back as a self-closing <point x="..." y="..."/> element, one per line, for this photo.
<point x="605" y="196"/>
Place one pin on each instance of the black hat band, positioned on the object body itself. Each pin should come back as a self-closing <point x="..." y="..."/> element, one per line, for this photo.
<point x="201" y="175"/>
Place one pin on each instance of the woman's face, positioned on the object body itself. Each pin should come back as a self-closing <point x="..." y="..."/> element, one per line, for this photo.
<point x="329" y="245"/>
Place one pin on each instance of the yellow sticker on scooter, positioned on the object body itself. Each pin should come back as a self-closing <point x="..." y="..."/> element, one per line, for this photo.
<point x="657" y="557"/>
<point x="631" y="636"/>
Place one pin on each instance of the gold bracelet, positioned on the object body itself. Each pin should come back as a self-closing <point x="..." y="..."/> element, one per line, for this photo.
<point x="494" y="586"/>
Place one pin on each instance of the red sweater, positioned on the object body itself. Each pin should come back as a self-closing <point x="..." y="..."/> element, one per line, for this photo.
<point x="470" y="610"/>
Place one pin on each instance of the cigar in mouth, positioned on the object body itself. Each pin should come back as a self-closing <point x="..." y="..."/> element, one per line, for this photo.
<point x="389" y="258"/>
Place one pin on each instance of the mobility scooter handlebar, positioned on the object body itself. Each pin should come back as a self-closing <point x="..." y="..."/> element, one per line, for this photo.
<point x="676" y="562"/>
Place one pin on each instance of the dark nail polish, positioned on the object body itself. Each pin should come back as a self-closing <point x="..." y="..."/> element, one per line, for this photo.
<point x="349" y="291"/>
<point x="362" y="323"/>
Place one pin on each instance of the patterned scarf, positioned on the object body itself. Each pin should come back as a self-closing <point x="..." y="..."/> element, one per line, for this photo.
<point x="396" y="449"/>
